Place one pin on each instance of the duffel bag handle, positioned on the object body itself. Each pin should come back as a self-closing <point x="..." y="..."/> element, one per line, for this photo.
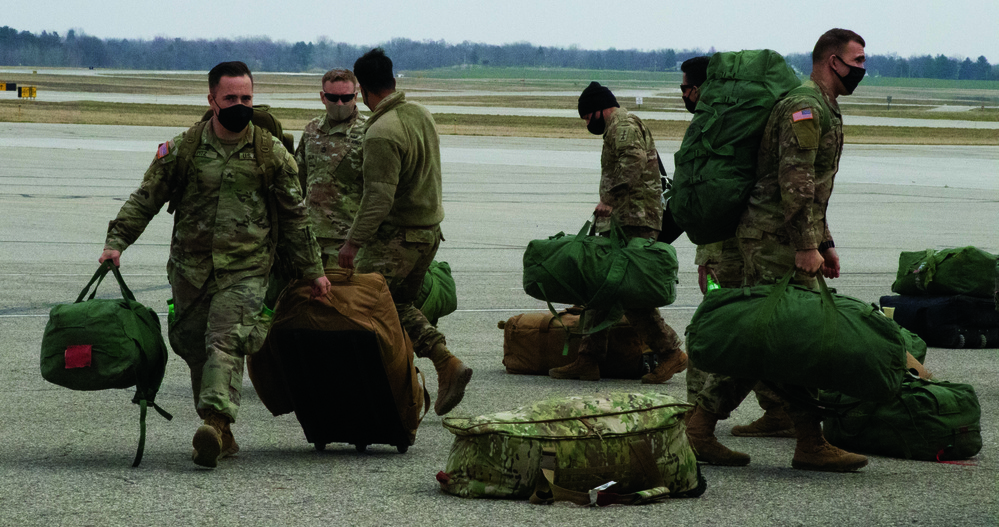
<point x="98" y="277"/>
<point x="830" y="315"/>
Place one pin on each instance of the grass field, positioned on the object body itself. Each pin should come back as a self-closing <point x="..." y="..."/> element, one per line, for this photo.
<point x="509" y="88"/>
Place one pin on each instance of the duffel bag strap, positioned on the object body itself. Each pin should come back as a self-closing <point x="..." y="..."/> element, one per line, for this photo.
<point x="830" y="315"/>
<point x="142" y="428"/>
<point x="426" y="395"/>
<point x="98" y="277"/>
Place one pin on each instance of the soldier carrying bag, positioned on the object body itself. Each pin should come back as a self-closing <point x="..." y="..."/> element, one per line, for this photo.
<point x="100" y="344"/>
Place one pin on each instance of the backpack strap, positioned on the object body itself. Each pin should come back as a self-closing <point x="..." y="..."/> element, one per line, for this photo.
<point x="263" y="148"/>
<point x="185" y="154"/>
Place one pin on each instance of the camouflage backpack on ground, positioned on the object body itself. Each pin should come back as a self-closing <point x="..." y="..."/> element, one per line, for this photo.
<point x="592" y="450"/>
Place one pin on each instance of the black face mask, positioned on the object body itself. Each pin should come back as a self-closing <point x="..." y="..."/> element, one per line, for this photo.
<point x="235" y="118"/>
<point x="688" y="104"/>
<point x="597" y="124"/>
<point x="852" y="79"/>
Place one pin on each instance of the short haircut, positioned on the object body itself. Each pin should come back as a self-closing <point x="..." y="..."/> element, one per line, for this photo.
<point x="227" y="69"/>
<point x="374" y="71"/>
<point x="696" y="69"/>
<point x="834" y="41"/>
<point x="339" y="74"/>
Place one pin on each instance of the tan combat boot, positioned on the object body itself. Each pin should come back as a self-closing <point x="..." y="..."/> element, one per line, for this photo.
<point x="774" y="423"/>
<point x="813" y="452"/>
<point x="207" y="440"/>
<point x="229" y="445"/>
<point x="452" y="378"/>
<point x="665" y="370"/>
<point x="701" y="435"/>
<point x="585" y="368"/>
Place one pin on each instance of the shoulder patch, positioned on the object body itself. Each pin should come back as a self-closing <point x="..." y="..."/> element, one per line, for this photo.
<point x="807" y="132"/>
<point x="801" y="115"/>
<point x="164" y="149"/>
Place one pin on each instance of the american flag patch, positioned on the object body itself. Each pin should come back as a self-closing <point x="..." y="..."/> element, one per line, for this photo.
<point x="801" y="115"/>
<point x="163" y="150"/>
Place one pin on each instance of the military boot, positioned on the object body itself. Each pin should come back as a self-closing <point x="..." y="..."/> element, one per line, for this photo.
<point x="452" y="378"/>
<point x="666" y="369"/>
<point x="701" y="435"/>
<point x="813" y="452"/>
<point x="229" y="445"/>
<point x="774" y="423"/>
<point x="207" y="440"/>
<point x="585" y="368"/>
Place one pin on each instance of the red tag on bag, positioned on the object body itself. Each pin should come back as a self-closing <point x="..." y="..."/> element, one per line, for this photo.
<point x="78" y="356"/>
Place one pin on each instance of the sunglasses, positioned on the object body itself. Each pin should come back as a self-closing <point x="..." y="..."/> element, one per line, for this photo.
<point x="345" y="98"/>
<point x="685" y="87"/>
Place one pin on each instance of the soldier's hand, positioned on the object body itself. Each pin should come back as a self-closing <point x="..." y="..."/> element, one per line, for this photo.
<point x="808" y="261"/>
<point x="702" y="279"/>
<point x="114" y="255"/>
<point x="603" y="210"/>
<point x="345" y="259"/>
<point x="321" y="287"/>
<point x="830" y="263"/>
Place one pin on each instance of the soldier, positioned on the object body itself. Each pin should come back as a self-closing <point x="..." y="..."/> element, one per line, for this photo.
<point x="227" y="224"/>
<point x="329" y="163"/>
<point x="784" y="227"/>
<point x="396" y="231"/>
<point x="715" y="396"/>
<point x="631" y="194"/>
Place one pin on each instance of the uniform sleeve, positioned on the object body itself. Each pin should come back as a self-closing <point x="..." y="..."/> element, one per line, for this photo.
<point x="381" y="167"/>
<point x="630" y="160"/>
<point x="303" y="167"/>
<point x="799" y="141"/>
<point x="146" y="201"/>
<point x="294" y="231"/>
<point x="708" y="254"/>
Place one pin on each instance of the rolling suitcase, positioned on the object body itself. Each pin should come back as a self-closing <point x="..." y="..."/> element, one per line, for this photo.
<point x="343" y="364"/>
<point x="954" y="321"/>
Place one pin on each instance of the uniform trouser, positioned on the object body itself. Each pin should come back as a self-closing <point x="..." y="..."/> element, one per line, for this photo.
<point x="403" y="256"/>
<point x="768" y="258"/>
<point x="648" y="323"/>
<point x="214" y="329"/>
<point x="721" y="394"/>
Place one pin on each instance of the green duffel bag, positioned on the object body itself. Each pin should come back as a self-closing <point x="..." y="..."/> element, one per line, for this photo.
<point x="100" y="344"/>
<point x="927" y="420"/>
<point x="601" y="272"/>
<point x="799" y="336"/>
<point x="716" y="162"/>
<point x="563" y="448"/>
<point x="438" y="296"/>
<point x="960" y="271"/>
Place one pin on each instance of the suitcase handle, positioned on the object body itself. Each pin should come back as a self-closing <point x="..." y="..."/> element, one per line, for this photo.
<point x="102" y="271"/>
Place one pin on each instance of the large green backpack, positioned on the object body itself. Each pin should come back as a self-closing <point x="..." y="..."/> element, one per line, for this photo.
<point x="100" y="344"/>
<point x="716" y="162"/>
<point x="960" y="271"/>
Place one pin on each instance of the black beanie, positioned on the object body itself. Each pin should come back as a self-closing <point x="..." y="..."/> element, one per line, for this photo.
<point x="595" y="98"/>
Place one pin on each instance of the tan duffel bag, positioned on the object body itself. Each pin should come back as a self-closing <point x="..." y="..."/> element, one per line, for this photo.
<point x="533" y="343"/>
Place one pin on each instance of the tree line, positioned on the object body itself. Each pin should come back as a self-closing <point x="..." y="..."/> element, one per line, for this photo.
<point x="19" y="48"/>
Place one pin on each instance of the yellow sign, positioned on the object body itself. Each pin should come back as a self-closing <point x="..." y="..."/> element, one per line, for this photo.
<point x="28" y="91"/>
<point x="3" y="86"/>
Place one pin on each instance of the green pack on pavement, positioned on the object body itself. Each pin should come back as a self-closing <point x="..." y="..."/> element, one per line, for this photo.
<point x="960" y="271"/>
<point x="438" y="296"/>
<point x="596" y="450"/>
<point x="601" y="272"/>
<point x="99" y="344"/>
<point x="716" y="162"/>
<point x="799" y="336"/>
<point x="927" y="420"/>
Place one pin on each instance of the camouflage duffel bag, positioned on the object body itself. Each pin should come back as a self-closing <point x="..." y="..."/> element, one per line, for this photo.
<point x="594" y="450"/>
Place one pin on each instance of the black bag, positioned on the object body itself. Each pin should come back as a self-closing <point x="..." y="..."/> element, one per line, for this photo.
<point x="956" y="321"/>
<point x="100" y="344"/>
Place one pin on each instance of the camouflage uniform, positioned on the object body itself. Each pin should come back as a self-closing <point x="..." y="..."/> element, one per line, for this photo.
<point x="329" y="168"/>
<point x="220" y="254"/>
<point x="630" y="184"/>
<point x="787" y="207"/>
<point x="397" y="225"/>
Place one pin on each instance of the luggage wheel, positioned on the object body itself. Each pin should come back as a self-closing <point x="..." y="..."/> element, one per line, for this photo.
<point x="402" y="448"/>
<point x="320" y="446"/>
<point x="360" y="447"/>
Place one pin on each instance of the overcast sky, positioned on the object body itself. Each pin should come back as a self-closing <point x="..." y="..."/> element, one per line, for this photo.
<point x="958" y="28"/>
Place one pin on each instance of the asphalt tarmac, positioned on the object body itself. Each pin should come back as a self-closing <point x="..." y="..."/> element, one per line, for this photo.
<point x="66" y="455"/>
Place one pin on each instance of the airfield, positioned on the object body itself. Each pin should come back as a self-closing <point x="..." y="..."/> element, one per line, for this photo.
<point x="67" y="455"/>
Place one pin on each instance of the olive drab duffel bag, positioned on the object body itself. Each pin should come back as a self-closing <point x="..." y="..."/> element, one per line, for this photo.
<point x="99" y="344"/>
<point x="438" y="296"/>
<point x="927" y="420"/>
<point x="601" y="272"/>
<point x="960" y="271"/>
<point x="573" y="448"/>
<point x="804" y="337"/>
<point x="716" y="162"/>
<point x="534" y="343"/>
